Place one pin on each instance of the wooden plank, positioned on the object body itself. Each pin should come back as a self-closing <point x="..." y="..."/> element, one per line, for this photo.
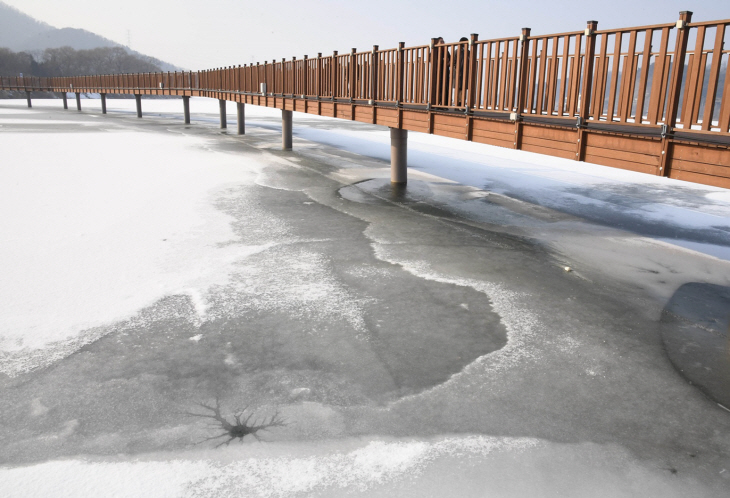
<point x="704" y="168"/>
<point x="548" y="151"/>
<point x="611" y="110"/>
<point x="364" y="113"/>
<point x="634" y="157"/>
<point x="618" y="163"/>
<point x="714" y="78"/>
<point x="645" y="59"/>
<point x="502" y="127"/>
<point x="344" y="111"/>
<point x="420" y="126"/>
<point x="509" y="144"/>
<point x="552" y="77"/>
<point x="696" y="153"/>
<point x="690" y="86"/>
<point x="659" y="80"/>
<point x="328" y="109"/>
<point x="386" y="120"/>
<point x="416" y="116"/>
<point x="505" y="137"/>
<point x="556" y="134"/>
<point x="575" y="78"/>
<point x="450" y="128"/>
<point x="642" y="146"/>
<point x="551" y="144"/>
<point x="448" y="133"/>
<point x="448" y="120"/>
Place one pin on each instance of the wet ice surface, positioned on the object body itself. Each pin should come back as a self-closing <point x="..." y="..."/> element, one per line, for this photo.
<point x="424" y="341"/>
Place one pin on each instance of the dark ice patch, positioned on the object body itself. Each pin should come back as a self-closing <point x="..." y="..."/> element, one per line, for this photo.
<point x="695" y="326"/>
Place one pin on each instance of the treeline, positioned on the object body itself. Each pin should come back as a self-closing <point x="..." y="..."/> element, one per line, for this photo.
<point x="66" y="61"/>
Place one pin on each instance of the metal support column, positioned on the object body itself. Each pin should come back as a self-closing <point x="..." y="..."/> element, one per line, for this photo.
<point x="186" y="109"/>
<point x="78" y="101"/>
<point x="222" y="107"/>
<point x="241" y="117"/>
<point x="103" y="103"/>
<point x="27" y="96"/>
<point x="286" y="130"/>
<point x="138" y="98"/>
<point x="398" y="156"/>
<point x="65" y="100"/>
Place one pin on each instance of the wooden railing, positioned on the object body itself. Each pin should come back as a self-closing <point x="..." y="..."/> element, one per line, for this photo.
<point x="663" y="81"/>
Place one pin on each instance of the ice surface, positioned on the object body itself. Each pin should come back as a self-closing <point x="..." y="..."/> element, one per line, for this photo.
<point x="94" y="231"/>
<point x="181" y="263"/>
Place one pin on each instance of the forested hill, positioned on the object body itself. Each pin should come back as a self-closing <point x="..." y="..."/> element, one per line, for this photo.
<point x="66" y="61"/>
<point x="35" y="48"/>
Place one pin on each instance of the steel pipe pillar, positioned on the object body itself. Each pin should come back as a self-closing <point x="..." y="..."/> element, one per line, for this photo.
<point x="241" y="117"/>
<point x="186" y="109"/>
<point x="398" y="156"/>
<point x="78" y="101"/>
<point x="27" y="96"/>
<point x="138" y="98"/>
<point x="222" y="107"/>
<point x="65" y="100"/>
<point x="286" y="130"/>
<point x="103" y="103"/>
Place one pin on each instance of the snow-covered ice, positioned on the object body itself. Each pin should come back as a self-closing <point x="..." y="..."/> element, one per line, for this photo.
<point x="423" y="342"/>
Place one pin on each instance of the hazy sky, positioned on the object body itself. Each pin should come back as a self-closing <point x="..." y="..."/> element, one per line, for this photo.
<point x="199" y="34"/>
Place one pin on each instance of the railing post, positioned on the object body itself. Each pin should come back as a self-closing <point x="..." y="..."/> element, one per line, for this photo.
<point x="318" y="81"/>
<point x="675" y="86"/>
<point x="283" y="77"/>
<point x="334" y="75"/>
<point x="294" y="86"/>
<point x="353" y="73"/>
<point x="305" y="77"/>
<point x="400" y="70"/>
<point x="472" y="74"/>
<point x="432" y="73"/>
<point x="584" y="108"/>
<point x="522" y="86"/>
<point x="374" y="76"/>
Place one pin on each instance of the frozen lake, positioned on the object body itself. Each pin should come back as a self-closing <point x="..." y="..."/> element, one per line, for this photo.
<point x="508" y="324"/>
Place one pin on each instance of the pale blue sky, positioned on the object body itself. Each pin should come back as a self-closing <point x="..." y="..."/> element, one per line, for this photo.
<point x="199" y="34"/>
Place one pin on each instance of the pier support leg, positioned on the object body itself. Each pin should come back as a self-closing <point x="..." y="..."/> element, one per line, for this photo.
<point x="186" y="109"/>
<point x="241" y="117"/>
<point x="103" y="103"/>
<point x="138" y="98"/>
<point x="27" y="96"/>
<point x="222" y="107"/>
<point x="286" y="130"/>
<point x="398" y="156"/>
<point x="78" y="101"/>
<point x="65" y="100"/>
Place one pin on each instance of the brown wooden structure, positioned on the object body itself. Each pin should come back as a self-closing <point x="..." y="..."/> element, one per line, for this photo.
<point x="653" y="99"/>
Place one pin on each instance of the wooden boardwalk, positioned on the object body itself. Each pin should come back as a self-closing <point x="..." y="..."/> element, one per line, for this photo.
<point x="653" y="99"/>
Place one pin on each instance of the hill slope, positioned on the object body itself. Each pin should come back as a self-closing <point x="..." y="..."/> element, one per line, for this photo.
<point x="16" y="27"/>
<point x="21" y="33"/>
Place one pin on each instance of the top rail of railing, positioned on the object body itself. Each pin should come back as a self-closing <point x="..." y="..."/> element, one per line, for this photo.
<point x="671" y="74"/>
